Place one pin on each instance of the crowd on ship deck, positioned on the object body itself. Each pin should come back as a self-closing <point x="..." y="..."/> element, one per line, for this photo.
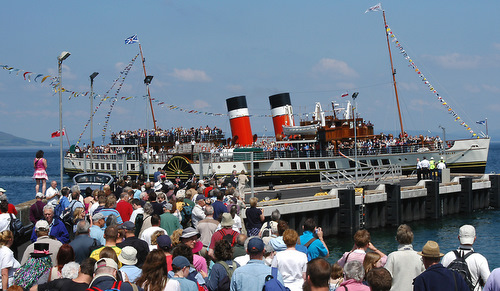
<point x="181" y="134"/>
<point x="205" y="235"/>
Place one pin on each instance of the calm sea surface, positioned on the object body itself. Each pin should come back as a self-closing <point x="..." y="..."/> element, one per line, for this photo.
<point x="17" y="169"/>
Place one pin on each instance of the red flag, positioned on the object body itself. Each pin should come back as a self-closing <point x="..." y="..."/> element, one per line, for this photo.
<point x="56" y="133"/>
<point x="345" y="95"/>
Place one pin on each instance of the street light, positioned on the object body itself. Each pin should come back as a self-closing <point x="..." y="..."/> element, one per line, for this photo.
<point x="354" y="95"/>
<point x="147" y="81"/>
<point x="92" y="77"/>
<point x="64" y="55"/>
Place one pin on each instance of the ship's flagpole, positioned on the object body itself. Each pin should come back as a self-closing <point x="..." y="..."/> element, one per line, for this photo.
<point x="149" y="93"/>
<point x="393" y="75"/>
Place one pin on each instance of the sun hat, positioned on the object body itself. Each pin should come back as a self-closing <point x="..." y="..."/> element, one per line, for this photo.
<point x="42" y="225"/>
<point x="255" y="245"/>
<point x="180" y="262"/>
<point x="431" y="250"/>
<point x="197" y="247"/>
<point x="181" y="194"/>
<point x="467" y="234"/>
<point x="227" y="220"/>
<point x="106" y="262"/>
<point x="189" y="232"/>
<point x="39" y="195"/>
<point x="97" y="216"/>
<point x="128" y="256"/>
<point x="164" y="241"/>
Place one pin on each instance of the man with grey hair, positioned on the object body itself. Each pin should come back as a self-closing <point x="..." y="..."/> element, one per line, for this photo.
<point x="83" y="243"/>
<point x="354" y="273"/>
<point x="75" y="277"/>
<point x="105" y="277"/>
<point x="270" y="229"/>
<point x="168" y="221"/>
<point x="52" y="194"/>
<point x="96" y="230"/>
<point x="207" y="227"/>
<point x="76" y="198"/>
<point x="55" y="226"/>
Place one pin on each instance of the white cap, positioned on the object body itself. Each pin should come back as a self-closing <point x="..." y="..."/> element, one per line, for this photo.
<point x="39" y="195"/>
<point x="42" y="225"/>
<point x="3" y="190"/>
<point x="467" y="234"/>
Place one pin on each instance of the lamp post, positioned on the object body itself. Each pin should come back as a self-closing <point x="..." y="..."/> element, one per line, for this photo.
<point x="354" y="95"/>
<point x="64" y="55"/>
<point x="92" y="77"/>
<point x="147" y="81"/>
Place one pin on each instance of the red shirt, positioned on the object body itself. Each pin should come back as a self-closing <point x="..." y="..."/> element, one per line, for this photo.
<point x="218" y="235"/>
<point x="12" y="209"/>
<point x="125" y="209"/>
<point x="207" y="190"/>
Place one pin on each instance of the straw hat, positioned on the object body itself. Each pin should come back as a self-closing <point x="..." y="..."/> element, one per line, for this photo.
<point x="431" y="250"/>
<point x="227" y="220"/>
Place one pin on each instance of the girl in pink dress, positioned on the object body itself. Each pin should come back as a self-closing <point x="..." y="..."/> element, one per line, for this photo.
<point x="40" y="175"/>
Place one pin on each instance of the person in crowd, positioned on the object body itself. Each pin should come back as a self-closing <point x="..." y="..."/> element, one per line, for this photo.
<point x="224" y="261"/>
<point x="493" y="283"/>
<point x="362" y="242"/>
<point x="419" y="170"/>
<point x="137" y="206"/>
<point x="109" y="209"/>
<point x="242" y="181"/>
<point x="317" y="275"/>
<point x="477" y="263"/>
<point x="404" y="264"/>
<point x="146" y="219"/>
<point x="291" y="263"/>
<point x="42" y="229"/>
<point x="105" y="276"/>
<point x="155" y="226"/>
<point x="379" y="279"/>
<point x="8" y="264"/>
<point x="207" y="228"/>
<point x="124" y="207"/>
<point x="207" y="192"/>
<point x="190" y="238"/>
<point x="252" y="276"/>
<point x="354" y="273"/>
<point x="271" y="227"/>
<point x="237" y="225"/>
<point x="128" y="258"/>
<point x="110" y="234"/>
<point x="165" y="244"/>
<point x="193" y="275"/>
<point x="180" y="266"/>
<point x="40" y="175"/>
<point x="79" y="283"/>
<point x="63" y="201"/>
<point x="316" y="247"/>
<point x="226" y="232"/>
<point x="65" y="254"/>
<point x="11" y="208"/>
<point x="198" y="213"/>
<point x="78" y="215"/>
<point x="36" y="210"/>
<point x="336" y="277"/>
<point x="107" y="190"/>
<point x="96" y="231"/>
<point x="168" y="221"/>
<point x="154" y="274"/>
<point x="239" y="247"/>
<point x="52" y="194"/>
<point x="425" y="164"/>
<point x="156" y="175"/>
<point x="141" y="247"/>
<point x="83" y="243"/>
<point x="5" y="217"/>
<point x="37" y="267"/>
<point x="218" y="205"/>
<point x="157" y="207"/>
<point x="254" y="218"/>
<point x="76" y="196"/>
<point x="436" y="276"/>
<point x="371" y="261"/>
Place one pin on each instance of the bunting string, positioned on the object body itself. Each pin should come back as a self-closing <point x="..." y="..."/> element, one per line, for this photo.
<point x="433" y="90"/>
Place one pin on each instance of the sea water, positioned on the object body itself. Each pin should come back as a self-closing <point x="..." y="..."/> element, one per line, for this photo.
<point x="16" y="171"/>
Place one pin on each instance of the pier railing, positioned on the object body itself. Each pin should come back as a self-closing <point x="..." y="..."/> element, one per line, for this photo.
<point x="365" y="176"/>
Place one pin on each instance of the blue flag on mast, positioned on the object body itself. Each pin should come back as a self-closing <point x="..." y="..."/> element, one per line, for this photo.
<point x="481" y="122"/>
<point x="132" y="39"/>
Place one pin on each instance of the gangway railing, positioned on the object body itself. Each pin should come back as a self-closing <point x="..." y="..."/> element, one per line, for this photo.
<point x="372" y="175"/>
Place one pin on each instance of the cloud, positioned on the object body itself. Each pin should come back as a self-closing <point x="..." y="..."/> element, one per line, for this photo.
<point x="190" y="75"/>
<point x="335" y="68"/>
<point x="496" y="46"/>
<point x="456" y="61"/>
<point x="66" y="73"/>
<point x="472" y="88"/>
<point x="491" y="89"/>
<point x="234" y="88"/>
<point x="200" y="104"/>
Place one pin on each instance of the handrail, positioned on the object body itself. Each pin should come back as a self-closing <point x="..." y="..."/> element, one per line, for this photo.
<point x="366" y="176"/>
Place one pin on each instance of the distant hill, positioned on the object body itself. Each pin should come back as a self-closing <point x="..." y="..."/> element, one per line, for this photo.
<point x="11" y="140"/>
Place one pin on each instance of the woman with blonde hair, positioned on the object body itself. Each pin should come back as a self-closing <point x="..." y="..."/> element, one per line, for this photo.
<point x="371" y="261"/>
<point x="8" y="264"/>
<point x="154" y="274"/>
<point x="254" y="218"/>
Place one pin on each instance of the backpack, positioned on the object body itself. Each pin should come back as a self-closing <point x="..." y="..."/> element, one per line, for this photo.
<point x="58" y="210"/>
<point x="186" y="212"/>
<point x="272" y="283"/>
<point x="116" y="287"/>
<point x="459" y="265"/>
<point x="16" y="226"/>
<point x="225" y="283"/>
<point x="139" y="220"/>
<point x="67" y="214"/>
<point x="230" y="237"/>
<point x="267" y="230"/>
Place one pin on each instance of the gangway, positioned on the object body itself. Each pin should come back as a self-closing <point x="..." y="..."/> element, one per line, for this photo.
<point x="369" y="175"/>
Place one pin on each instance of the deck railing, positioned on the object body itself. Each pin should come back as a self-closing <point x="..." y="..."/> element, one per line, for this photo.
<point x="365" y="176"/>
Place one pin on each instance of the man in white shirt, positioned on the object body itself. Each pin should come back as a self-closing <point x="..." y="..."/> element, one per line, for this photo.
<point x="198" y="213"/>
<point x="136" y="204"/>
<point x="477" y="263"/>
<point x="148" y="232"/>
<point x="52" y="194"/>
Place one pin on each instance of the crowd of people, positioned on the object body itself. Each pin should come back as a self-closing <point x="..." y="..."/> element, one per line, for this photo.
<point x="200" y="134"/>
<point x="166" y="235"/>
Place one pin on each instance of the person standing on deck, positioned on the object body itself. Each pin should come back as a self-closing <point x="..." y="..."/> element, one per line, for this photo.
<point x="242" y="181"/>
<point x="425" y="168"/>
<point x="40" y="175"/>
<point x="432" y="168"/>
<point x="419" y="170"/>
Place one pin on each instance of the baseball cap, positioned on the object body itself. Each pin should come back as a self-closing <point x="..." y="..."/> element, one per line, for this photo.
<point x="128" y="225"/>
<point x="200" y="197"/>
<point x="3" y="190"/>
<point x="164" y="241"/>
<point x="255" y="245"/>
<point x="467" y="234"/>
<point x="97" y="216"/>
<point x="41" y="225"/>
<point x="189" y="232"/>
<point x="39" y="195"/>
<point x="180" y="262"/>
<point x="105" y="262"/>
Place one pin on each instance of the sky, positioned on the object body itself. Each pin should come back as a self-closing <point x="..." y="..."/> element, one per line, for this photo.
<point x="203" y="52"/>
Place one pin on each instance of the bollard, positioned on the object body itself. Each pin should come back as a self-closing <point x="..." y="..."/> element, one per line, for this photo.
<point x="393" y="204"/>
<point x="466" y="198"/>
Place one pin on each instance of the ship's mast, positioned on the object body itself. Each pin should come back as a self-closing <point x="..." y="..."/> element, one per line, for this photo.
<point x="149" y="94"/>
<point x="393" y="75"/>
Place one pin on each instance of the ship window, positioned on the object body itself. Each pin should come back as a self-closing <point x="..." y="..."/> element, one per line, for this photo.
<point x="322" y="165"/>
<point x="79" y="163"/>
<point x="281" y="164"/>
<point x="363" y="163"/>
<point x="108" y="166"/>
<point x="96" y="166"/>
<point x="256" y="165"/>
<point x="352" y="164"/>
<point x="312" y="165"/>
<point x="114" y="166"/>
<point x="385" y="162"/>
<point x="132" y="167"/>
<point x="303" y="165"/>
<point x="102" y="166"/>
<point x="374" y="162"/>
<point x="331" y="165"/>
<point x="293" y="165"/>
<point x="120" y="167"/>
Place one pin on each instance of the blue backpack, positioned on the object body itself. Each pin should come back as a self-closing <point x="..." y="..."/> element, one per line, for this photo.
<point x="272" y="282"/>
